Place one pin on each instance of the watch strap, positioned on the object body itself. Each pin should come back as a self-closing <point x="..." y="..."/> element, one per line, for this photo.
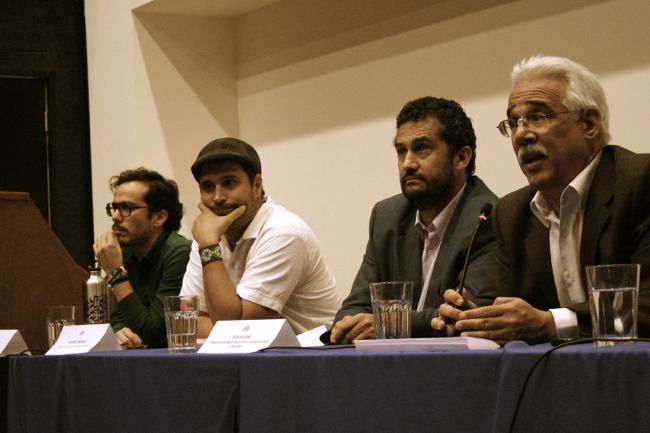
<point x="117" y="275"/>
<point x="209" y="254"/>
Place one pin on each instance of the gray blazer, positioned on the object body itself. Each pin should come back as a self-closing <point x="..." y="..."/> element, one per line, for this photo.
<point x="394" y="253"/>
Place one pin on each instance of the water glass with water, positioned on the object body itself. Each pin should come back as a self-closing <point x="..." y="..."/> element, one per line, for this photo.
<point x="391" y="308"/>
<point x="613" y="299"/>
<point x="181" y="313"/>
<point x="58" y="316"/>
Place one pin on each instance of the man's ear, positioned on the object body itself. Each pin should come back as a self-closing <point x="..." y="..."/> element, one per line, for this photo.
<point x="463" y="158"/>
<point x="257" y="185"/>
<point x="592" y="121"/>
<point x="160" y="218"/>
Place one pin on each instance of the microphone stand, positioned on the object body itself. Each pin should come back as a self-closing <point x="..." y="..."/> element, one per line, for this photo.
<point x="486" y="210"/>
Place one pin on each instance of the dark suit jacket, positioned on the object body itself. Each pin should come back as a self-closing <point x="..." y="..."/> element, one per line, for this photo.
<point x="616" y="229"/>
<point x="394" y="253"/>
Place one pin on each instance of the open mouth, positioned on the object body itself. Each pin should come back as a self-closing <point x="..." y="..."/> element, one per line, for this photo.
<point x="530" y="155"/>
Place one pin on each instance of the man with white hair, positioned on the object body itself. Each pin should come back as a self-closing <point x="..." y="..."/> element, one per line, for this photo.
<point x="587" y="203"/>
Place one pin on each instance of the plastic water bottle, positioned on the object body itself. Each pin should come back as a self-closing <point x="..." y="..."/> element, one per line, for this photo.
<point x="95" y="294"/>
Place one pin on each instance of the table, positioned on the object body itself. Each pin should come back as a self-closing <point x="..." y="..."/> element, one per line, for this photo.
<point x="128" y="391"/>
<point x="576" y="389"/>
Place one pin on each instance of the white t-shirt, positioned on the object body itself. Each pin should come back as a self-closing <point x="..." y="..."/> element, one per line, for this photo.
<point x="277" y="264"/>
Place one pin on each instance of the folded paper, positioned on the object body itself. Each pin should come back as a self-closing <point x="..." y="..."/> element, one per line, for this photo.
<point x="448" y="344"/>
<point x="11" y="342"/>
<point x="311" y="338"/>
<point x="246" y="336"/>
<point x="85" y="338"/>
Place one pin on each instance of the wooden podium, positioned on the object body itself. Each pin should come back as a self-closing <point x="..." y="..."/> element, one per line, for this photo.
<point x="36" y="271"/>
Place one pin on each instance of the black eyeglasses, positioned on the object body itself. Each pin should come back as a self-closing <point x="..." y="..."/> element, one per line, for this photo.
<point x="534" y="120"/>
<point x="125" y="209"/>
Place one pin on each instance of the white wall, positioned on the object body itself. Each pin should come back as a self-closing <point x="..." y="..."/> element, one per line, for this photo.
<point x="320" y="106"/>
<point x="160" y="87"/>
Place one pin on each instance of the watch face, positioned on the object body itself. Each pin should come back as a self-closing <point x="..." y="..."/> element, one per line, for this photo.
<point x="206" y="254"/>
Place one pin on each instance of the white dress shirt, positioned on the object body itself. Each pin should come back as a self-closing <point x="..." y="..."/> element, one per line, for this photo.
<point x="433" y="235"/>
<point x="565" y="234"/>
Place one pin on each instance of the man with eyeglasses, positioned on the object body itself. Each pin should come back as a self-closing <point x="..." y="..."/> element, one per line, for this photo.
<point x="142" y="254"/>
<point x="587" y="203"/>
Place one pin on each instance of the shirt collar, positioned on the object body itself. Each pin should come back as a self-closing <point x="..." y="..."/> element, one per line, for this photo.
<point x="581" y="184"/>
<point x="441" y="221"/>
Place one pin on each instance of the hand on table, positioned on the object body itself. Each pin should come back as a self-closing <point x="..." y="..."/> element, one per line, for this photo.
<point x="361" y="326"/>
<point x="507" y="319"/>
<point x="128" y="338"/>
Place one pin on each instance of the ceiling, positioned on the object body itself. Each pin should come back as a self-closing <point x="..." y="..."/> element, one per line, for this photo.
<point x="217" y="8"/>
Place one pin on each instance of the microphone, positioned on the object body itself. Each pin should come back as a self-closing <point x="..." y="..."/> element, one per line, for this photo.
<point x="486" y="210"/>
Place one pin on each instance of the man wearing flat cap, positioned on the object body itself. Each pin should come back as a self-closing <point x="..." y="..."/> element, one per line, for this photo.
<point x="251" y="258"/>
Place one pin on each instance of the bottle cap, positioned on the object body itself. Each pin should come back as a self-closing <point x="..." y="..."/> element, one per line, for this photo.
<point x="94" y="266"/>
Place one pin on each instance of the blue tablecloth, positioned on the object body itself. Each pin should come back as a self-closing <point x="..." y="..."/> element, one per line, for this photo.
<point x="129" y="391"/>
<point x="575" y="389"/>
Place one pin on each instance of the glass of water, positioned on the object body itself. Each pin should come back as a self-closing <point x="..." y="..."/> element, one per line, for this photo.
<point x="391" y="308"/>
<point x="181" y="313"/>
<point x="58" y="316"/>
<point x="613" y="299"/>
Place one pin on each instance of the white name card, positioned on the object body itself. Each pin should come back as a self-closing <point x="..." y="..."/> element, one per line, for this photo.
<point x="311" y="338"/>
<point x="11" y="342"/>
<point x="246" y="336"/>
<point x="85" y="338"/>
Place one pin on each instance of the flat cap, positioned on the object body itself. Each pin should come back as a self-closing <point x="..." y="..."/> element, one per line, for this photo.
<point x="227" y="149"/>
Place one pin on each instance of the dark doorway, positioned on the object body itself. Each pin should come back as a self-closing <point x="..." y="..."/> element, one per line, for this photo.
<point x="24" y="165"/>
<point x="43" y="53"/>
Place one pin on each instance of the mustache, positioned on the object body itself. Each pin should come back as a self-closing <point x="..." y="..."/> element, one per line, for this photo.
<point x="413" y="175"/>
<point x="225" y="208"/>
<point x="526" y="152"/>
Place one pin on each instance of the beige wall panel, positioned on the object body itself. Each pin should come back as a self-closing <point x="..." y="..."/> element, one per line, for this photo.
<point x="324" y="125"/>
<point x="315" y="86"/>
<point x="161" y="86"/>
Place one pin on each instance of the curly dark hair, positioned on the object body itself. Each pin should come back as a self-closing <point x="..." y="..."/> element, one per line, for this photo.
<point x="457" y="130"/>
<point x="162" y="194"/>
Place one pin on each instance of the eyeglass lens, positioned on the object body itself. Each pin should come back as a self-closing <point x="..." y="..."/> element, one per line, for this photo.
<point x="123" y="208"/>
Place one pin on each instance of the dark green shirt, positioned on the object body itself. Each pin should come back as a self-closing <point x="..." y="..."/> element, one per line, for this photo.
<point x="159" y="273"/>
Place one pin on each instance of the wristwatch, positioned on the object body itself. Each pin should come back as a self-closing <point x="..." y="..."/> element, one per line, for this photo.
<point x="210" y="254"/>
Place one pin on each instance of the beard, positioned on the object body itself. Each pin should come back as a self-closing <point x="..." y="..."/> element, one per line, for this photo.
<point x="130" y="238"/>
<point x="432" y="189"/>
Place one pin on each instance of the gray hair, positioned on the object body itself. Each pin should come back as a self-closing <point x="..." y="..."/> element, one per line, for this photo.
<point x="583" y="89"/>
